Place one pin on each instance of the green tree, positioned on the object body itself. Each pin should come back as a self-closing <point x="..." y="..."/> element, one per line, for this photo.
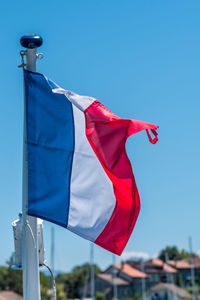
<point x="100" y="296"/>
<point x="61" y="295"/>
<point x="135" y="296"/>
<point x="74" y="281"/>
<point x="174" y="253"/>
<point x="11" y="280"/>
<point x="45" y="286"/>
<point x="68" y="285"/>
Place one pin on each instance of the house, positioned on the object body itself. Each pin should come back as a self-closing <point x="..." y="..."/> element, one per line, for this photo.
<point x="166" y="291"/>
<point x="129" y="274"/>
<point x="157" y="271"/>
<point x="9" y="295"/>
<point x="184" y="268"/>
<point x="104" y="284"/>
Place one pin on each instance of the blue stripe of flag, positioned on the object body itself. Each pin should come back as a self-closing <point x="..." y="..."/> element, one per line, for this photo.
<point x="50" y="134"/>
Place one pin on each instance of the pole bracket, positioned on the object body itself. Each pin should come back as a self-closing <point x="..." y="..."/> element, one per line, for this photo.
<point x="22" y="53"/>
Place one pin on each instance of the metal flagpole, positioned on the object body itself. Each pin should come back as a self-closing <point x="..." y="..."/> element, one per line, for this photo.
<point x="143" y="282"/>
<point x="92" y="289"/>
<point x="169" y="277"/>
<point x="30" y="257"/>
<point x="169" y="296"/>
<point x="114" y="279"/>
<point x="52" y="248"/>
<point x="192" y="269"/>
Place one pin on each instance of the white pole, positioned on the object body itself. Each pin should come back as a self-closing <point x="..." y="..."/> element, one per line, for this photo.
<point x="52" y="248"/>
<point x="92" y="289"/>
<point x="169" y="297"/>
<point x="143" y="282"/>
<point x="30" y="256"/>
<point x="192" y="269"/>
<point x="114" y="279"/>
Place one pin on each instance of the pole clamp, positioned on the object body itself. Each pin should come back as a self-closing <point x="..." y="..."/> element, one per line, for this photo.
<point x="22" y="53"/>
<point x="40" y="55"/>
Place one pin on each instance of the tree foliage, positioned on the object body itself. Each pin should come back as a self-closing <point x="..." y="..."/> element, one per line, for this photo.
<point x="11" y="280"/>
<point x="74" y="282"/>
<point x="136" y="296"/>
<point x="100" y="296"/>
<point x="174" y="253"/>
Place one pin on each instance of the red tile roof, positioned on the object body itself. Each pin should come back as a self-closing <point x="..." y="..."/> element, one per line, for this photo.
<point x="109" y="278"/>
<point x="185" y="263"/>
<point x="130" y="271"/>
<point x="9" y="295"/>
<point x="159" y="263"/>
<point x="169" y="269"/>
<point x="177" y="291"/>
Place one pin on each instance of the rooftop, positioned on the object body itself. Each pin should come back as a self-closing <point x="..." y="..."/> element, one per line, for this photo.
<point x="185" y="263"/>
<point x="130" y="271"/>
<point x="173" y="288"/>
<point x="109" y="278"/>
<point x="9" y="295"/>
<point x="158" y="263"/>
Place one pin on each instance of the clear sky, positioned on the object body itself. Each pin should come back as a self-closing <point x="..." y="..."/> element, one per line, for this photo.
<point x="142" y="60"/>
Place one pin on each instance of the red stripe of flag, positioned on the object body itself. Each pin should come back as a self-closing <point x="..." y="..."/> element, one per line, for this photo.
<point x="107" y="135"/>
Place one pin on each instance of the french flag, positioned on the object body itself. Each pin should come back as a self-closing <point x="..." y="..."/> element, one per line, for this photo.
<point x="79" y="174"/>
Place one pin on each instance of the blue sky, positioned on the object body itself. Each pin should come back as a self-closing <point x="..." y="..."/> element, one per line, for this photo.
<point x="142" y="60"/>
